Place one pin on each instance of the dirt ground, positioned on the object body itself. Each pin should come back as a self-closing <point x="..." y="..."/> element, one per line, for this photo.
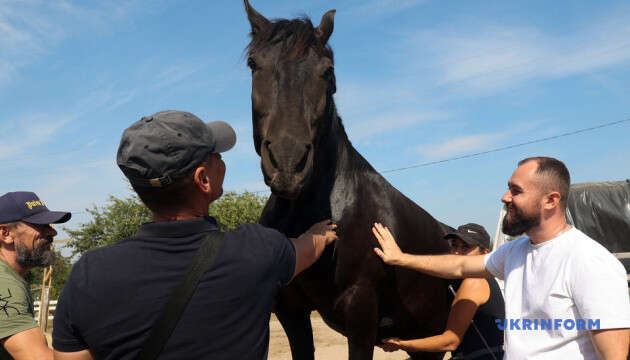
<point x="328" y="343"/>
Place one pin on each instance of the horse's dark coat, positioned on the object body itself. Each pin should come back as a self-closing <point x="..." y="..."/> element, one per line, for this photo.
<point x="315" y="173"/>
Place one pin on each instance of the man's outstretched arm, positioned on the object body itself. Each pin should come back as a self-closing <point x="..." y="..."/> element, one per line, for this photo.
<point x="444" y="266"/>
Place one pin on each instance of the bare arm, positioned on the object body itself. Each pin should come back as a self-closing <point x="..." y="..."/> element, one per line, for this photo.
<point x="310" y="245"/>
<point x="471" y="294"/>
<point x="444" y="266"/>
<point x="28" y="344"/>
<point x="611" y="344"/>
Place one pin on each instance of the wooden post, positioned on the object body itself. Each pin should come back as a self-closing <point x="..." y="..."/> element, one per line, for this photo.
<point x="43" y="305"/>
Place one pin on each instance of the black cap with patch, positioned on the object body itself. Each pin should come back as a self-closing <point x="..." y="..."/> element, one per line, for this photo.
<point x="159" y="149"/>
<point x="26" y="206"/>
<point x="471" y="234"/>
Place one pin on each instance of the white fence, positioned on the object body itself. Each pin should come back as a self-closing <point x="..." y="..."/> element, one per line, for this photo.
<point x="52" y="305"/>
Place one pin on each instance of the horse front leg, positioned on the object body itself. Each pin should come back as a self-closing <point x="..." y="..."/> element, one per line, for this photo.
<point x="360" y="306"/>
<point x="298" y="328"/>
<point x="295" y="319"/>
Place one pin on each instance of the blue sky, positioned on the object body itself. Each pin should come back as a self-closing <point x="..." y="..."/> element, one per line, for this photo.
<point x="417" y="81"/>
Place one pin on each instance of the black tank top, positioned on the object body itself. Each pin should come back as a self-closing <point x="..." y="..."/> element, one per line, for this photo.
<point x="484" y="319"/>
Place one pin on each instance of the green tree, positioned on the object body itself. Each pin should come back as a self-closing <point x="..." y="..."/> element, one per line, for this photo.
<point x="232" y="209"/>
<point x="116" y="220"/>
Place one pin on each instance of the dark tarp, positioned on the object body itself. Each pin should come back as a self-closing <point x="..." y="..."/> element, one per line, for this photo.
<point x="602" y="211"/>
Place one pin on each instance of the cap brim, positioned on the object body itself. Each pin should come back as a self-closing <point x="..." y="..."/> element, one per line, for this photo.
<point x="465" y="238"/>
<point x="49" y="217"/>
<point x="224" y="136"/>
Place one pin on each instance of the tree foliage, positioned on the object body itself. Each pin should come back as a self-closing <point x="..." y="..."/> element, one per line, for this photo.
<point x="233" y="209"/>
<point x="120" y="218"/>
<point x="115" y="221"/>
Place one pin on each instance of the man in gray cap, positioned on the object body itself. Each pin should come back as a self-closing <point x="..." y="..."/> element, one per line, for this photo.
<point x="116" y="295"/>
<point x="25" y="242"/>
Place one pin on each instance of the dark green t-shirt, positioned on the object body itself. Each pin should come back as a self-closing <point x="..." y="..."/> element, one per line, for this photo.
<point x="16" y="305"/>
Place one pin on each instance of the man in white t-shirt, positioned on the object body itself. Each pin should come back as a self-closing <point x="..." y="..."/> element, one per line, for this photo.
<point x="566" y="296"/>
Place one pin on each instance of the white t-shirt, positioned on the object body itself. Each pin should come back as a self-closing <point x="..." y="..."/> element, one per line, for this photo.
<point x="569" y="277"/>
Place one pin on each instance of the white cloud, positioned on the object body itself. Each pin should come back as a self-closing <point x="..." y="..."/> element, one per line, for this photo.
<point x="178" y="72"/>
<point x="459" y="145"/>
<point x="492" y="57"/>
<point x="377" y="125"/>
<point x="30" y="29"/>
<point x="39" y="128"/>
<point x="33" y="131"/>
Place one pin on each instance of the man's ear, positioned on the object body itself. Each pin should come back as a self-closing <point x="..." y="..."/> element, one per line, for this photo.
<point x="6" y="234"/>
<point x="551" y="200"/>
<point x="202" y="178"/>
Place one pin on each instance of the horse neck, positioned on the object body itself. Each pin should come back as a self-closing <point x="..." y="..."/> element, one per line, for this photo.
<point x="341" y="171"/>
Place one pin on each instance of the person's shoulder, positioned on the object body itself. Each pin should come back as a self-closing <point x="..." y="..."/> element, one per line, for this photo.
<point x="255" y="231"/>
<point x="11" y="287"/>
<point x="476" y="289"/>
<point x="581" y="245"/>
<point x="6" y="278"/>
<point x="583" y="250"/>
<point x="518" y="243"/>
<point x="95" y="260"/>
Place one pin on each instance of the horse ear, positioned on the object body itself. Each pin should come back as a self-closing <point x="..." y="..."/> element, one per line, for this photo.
<point x="325" y="28"/>
<point x="257" y="21"/>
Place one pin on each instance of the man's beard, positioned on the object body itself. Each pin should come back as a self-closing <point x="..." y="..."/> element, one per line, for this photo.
<point x="40" y="256"/>
<point x="519" y="223"/>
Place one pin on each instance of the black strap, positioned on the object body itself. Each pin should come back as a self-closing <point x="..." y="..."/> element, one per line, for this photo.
<point x="176" y="305"/>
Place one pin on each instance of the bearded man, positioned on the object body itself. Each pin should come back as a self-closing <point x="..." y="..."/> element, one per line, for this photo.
<point x="25" y="242"/>
<point x="566" y="296"/>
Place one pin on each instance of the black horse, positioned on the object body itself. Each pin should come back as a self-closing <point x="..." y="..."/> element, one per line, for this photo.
<point x="315" y="173"/>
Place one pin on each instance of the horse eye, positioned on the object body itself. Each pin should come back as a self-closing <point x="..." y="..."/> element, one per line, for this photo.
<point x="252" y="64"/>
<point x="328" y="73"/>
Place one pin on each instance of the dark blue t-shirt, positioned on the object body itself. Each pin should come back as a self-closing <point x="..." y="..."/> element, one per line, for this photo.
<point x="115" y="294"/>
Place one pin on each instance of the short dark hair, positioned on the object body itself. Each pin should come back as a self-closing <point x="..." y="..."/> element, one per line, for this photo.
<point x="555" y="176"/>
<point x="174" y="195"/>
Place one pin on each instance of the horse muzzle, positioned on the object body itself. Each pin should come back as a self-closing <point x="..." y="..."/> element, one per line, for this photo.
<point x="287" y="165"/>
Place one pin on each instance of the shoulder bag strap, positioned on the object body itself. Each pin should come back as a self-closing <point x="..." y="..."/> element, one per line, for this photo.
<point x="176" y="305"/>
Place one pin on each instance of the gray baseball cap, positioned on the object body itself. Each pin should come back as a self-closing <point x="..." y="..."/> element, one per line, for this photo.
<point x="161" y="148"/>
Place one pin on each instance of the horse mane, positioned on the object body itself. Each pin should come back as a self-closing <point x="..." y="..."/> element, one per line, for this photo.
<point x="296" y="37"/>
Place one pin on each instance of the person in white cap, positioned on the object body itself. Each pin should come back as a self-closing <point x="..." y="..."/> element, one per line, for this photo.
<point x="179" y="288"/>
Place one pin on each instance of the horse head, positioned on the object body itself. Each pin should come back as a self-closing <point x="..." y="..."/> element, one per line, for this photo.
<point x="293" y="82"/>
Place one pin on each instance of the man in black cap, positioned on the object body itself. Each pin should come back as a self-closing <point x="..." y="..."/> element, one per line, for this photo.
<point x="476" y="300"/>
<point x="115" y="295"/>
<point x="25" y="242"/>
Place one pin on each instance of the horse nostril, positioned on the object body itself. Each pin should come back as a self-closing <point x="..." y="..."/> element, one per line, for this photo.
<point x="300" y="166"/>
<point x="266" y="143"/>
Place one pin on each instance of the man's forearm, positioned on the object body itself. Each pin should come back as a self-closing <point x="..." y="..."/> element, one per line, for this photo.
<point x="446" y="341"/>
<point x="308" y="248"/>
<point x="444" y="266"/>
